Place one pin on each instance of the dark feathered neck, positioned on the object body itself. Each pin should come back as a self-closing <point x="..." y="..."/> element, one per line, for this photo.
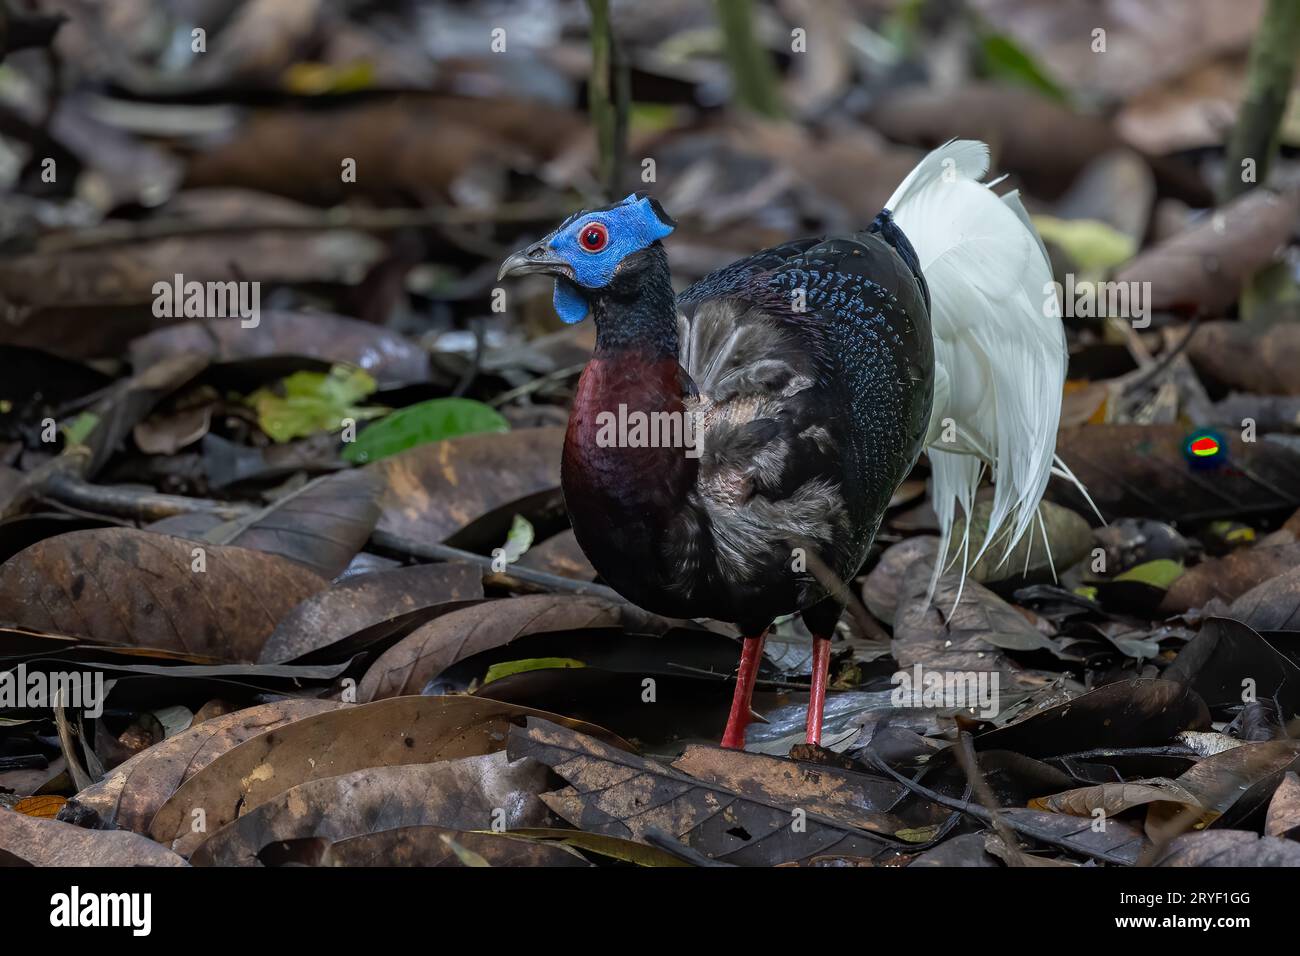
<point x="637" y="311"/>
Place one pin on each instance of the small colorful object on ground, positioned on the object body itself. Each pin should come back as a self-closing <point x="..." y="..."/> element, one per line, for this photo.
<point x="1205" y="449"/>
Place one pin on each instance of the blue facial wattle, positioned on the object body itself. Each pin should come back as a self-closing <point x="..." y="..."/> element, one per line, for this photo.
<point x="570" y="303"/>
<point x="632" y="225"/>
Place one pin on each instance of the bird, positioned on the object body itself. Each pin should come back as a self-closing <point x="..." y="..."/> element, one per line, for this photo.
<point x="732" y="448"/>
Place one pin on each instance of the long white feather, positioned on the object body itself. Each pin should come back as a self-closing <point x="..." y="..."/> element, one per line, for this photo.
<point x="1000" y="354"/>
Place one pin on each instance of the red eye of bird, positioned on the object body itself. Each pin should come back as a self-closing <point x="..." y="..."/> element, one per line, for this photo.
<point x="594" y="237"/>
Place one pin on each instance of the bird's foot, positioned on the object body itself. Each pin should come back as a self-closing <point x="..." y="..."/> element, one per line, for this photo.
<point x="742" y="712"/>
<point x="821" y="665"/>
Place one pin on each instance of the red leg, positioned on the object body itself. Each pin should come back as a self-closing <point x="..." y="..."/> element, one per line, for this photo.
<point x="751" y="654"/>
<point x="821" y="666"/>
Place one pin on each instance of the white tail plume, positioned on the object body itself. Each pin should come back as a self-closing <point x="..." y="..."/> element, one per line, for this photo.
<point x="1000" y="356"/>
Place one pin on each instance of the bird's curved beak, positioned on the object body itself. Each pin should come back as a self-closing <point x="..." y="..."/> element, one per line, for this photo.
<point x="537" y="259"/>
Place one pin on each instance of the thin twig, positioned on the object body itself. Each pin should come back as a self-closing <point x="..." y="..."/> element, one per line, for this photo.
<point x="537" y="384"/>
<point x="1154" y="371"/>
<point x="980" y="813"/>
<point x="130" y="503"/>
<point x="517" y="578"/>
<point x="966" y="757"/>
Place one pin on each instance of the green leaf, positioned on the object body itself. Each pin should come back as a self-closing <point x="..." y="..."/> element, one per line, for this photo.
<point x="1158" y="574"/>
<point x="78" y="430"/>
<point x="1094" y="246"/>
<point x="518" y="540"/>
<point x="1004" y="59"/>
<point x="422" y="423"/>
<point x="508" y="668"/>
<point x="307" y="403"/>
<point x="917" y="834"/>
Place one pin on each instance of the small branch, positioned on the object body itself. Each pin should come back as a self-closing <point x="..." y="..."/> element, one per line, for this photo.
<point x="146" y="506"/>
<point x="1268" y="83"/>
<point x="753" y="74"/>
<point x="965" y="806"/>
<point x="601" y="95"/>
<point x="142" y="506"/>
<point x="517" y="578"/>
<point x="537" y="384"/>
<point x="1147" y="375"/>
<point x="975" y="777"/>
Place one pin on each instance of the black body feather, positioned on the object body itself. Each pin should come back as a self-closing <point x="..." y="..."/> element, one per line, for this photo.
<point x="810" y="369"/>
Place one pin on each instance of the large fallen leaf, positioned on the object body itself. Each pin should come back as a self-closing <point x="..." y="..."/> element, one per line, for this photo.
<point x="41" y="842"/>
<point x="1204" y="268"/>
<point x="407" y="666"/>
<point x="321" y="526"/>
<point x="1255" y="357"/>
<point x="1228" y="848"/>
<point x="617" y="793"/>
<point x="1123" y="714"/>
<point x="426" y="845"/>
<point x="963" y="850"/>
<point x="1112" y="799"/>
<point x="122" y="586"/>
<point x="405" y="730"/>
<point x="1233" y="784"/>
<point x="1228" y="663"/>
<point x="1141" y="470"/>
<point x="413" y="146"/>
<point x="363" y="602"/>
<point x="125" y="274"/>
<point x="131" y="794"/>
<point x="389" y="358"/>
<point x="1117" y="842"/>
<point x="1283" y="817"/>
<point x="432" y="491"/>
<point x="1206" y="791"/>
<point x="470" y="793"/>
<point x="1229" y="577"/>
<point x="1271" y="606"/>
<point x="844" y="796"/>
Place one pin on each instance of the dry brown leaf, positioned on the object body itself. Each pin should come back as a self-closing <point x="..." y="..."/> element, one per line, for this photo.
<point x="51" y="843"/>
<point x="1283" y="817"/>
<point x="434" y="490"/>
<point x="1204" y="268"/>
<point x="1229" y="577"/>
<point x="620" y="794"/>
<point x="368" y="600"/>
<point x="407" y="666"/>
<point x="470" y="793"/>
<point x="131" y="794"/>
<point x="404" y="730"/>
<point x="122" y="586"/>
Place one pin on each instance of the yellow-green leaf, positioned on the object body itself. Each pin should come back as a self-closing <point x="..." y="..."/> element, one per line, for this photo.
<point x="307" y="403"/>
<point x="1158" y="574"/>
<point x="1095" y="247"/>
<point x="507" y="668"/>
